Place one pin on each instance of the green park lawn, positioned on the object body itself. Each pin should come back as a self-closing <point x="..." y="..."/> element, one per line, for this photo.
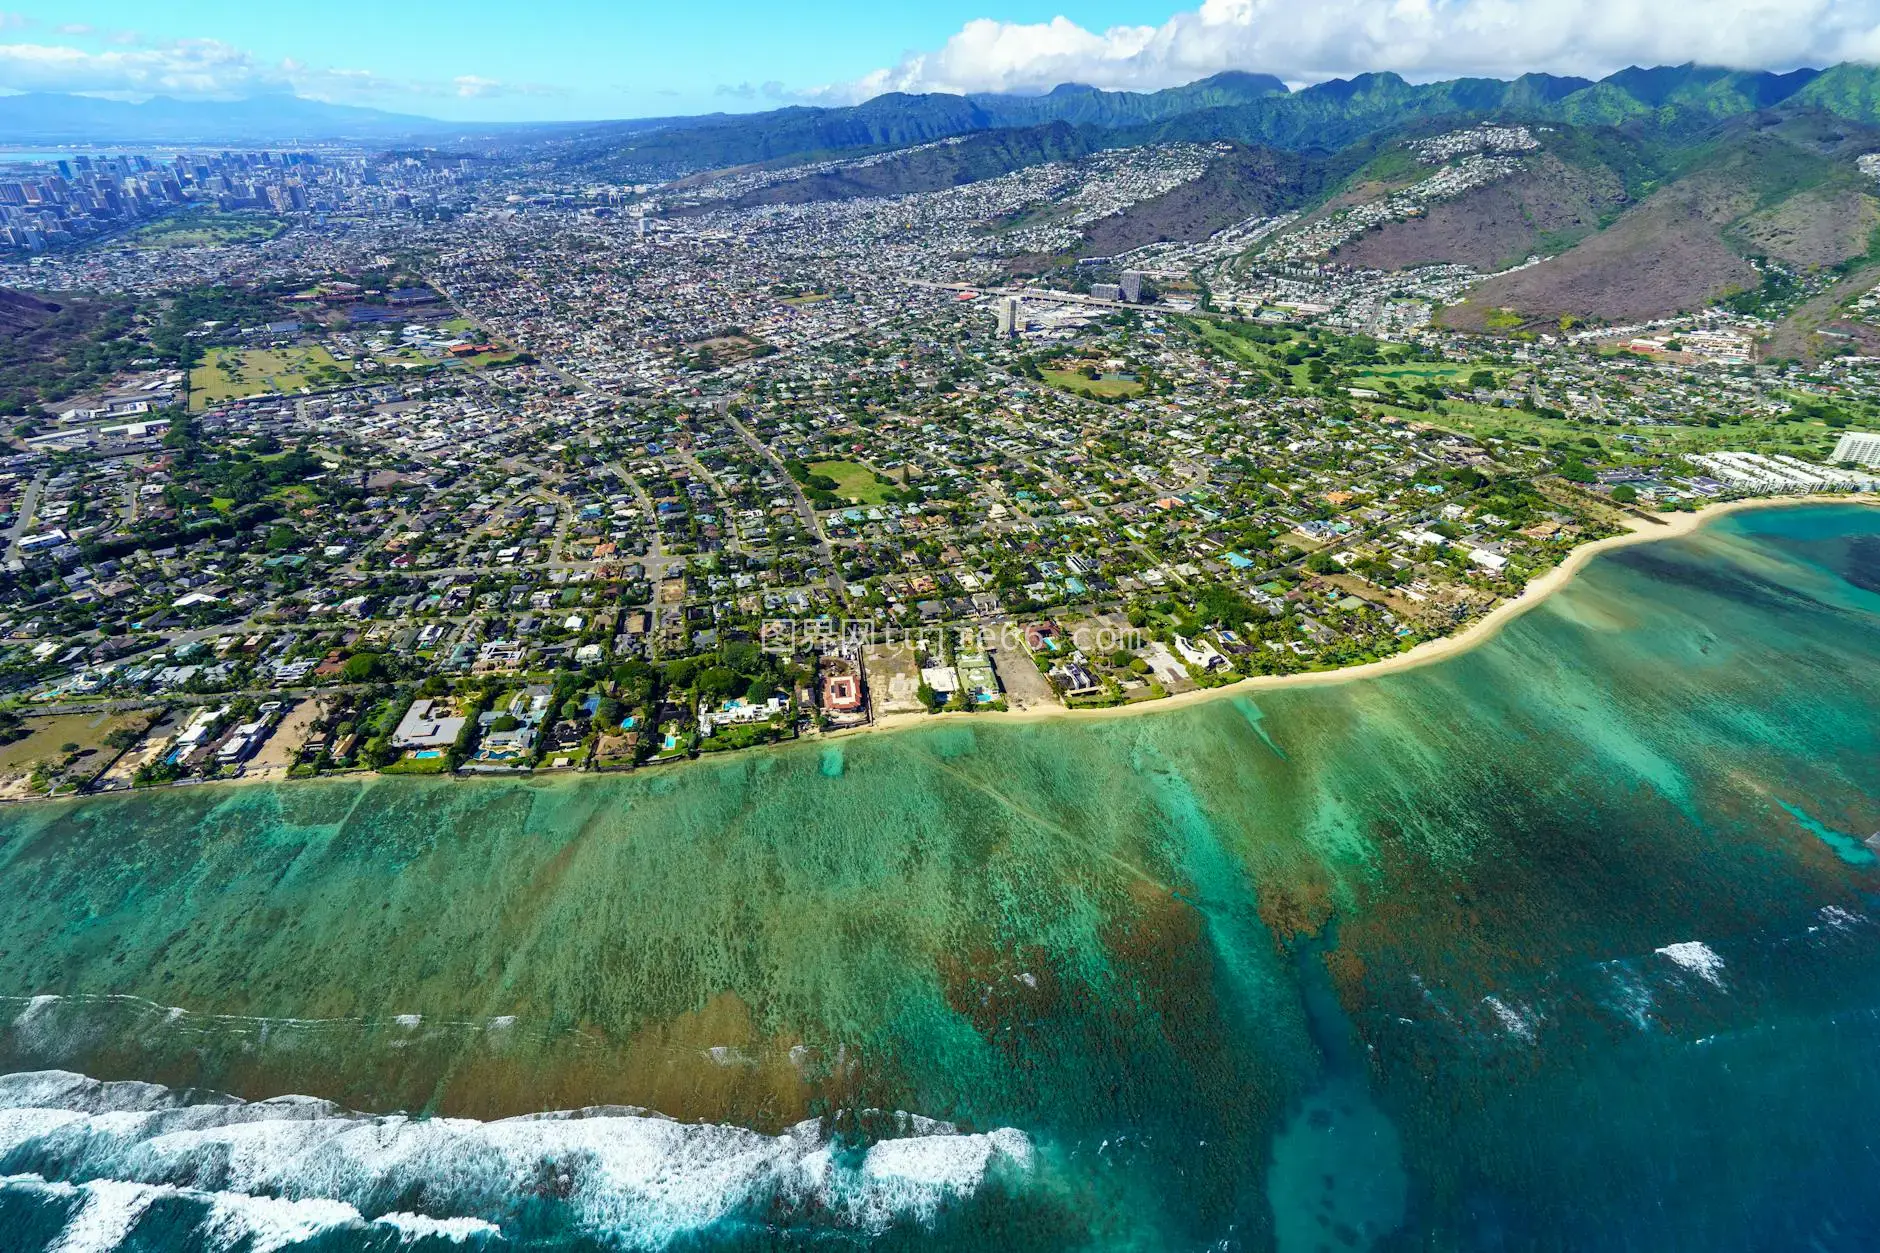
<point x="259" y="371"/>
<point x="1078" y="381"/>
<point x="208" y="227"/>
<point x="854" y="481"/>
<point x="1412" y="373"/>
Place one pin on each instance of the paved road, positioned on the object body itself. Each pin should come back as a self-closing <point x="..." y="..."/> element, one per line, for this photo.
<point x="29" y="501"/>
<point x="823" y="549"/>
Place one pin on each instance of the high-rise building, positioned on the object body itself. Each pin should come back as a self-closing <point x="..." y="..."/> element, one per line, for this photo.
<point x="1860" y="447"/>
<point x="1131" y="283"/>
<point x="1011" y="317"/>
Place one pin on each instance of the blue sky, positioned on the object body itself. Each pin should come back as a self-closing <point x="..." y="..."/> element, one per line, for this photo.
<point x="562" y="59"/>
<point x="553" y="59"/>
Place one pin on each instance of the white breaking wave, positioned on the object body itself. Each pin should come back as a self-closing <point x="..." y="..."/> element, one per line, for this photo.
<point x="1840" y="919"/>
<point x="276" y="1172"/>
<point x="1520" y="1023"/>
<point x="456" y="1230"/>
<point x="106" y="1215"/>
<point x="1696" y="957"/>
<point x="109" y="1209"/>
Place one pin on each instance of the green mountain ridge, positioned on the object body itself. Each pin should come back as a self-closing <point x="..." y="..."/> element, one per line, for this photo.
<point x="894" y="120"/>
<point x="1654" y="192"/>
<point x="1250" y="109"/>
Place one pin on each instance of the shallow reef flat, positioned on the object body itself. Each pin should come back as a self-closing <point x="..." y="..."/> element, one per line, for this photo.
<point x="1564" y="941"/>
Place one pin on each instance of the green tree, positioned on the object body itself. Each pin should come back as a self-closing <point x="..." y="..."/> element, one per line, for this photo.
<point x="718" y="682"/>
<point x="363" y="667"/>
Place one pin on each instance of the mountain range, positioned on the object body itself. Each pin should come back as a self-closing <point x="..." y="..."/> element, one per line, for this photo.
<point x="1248" y="108"/>
<point x="54" y="118"/>
<point x="1652" y="191"/>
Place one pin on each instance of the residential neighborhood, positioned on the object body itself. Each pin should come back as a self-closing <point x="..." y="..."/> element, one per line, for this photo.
<point x="460" y="470"/>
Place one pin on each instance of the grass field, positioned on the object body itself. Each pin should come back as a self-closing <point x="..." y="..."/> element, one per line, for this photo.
<point x="481" y="360"/>
<point x="207" y="228"/>
<point x="1810" y="440"/>
<point x="1077" y="381"/>
<point x="47" y="737"/>
<point x="1412" y="373"/>
<point x="853" y="482"/>
<point x="257" y="371"/>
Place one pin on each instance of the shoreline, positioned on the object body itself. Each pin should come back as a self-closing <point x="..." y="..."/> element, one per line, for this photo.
<point x="1430" y="652"/>
<point x="1673" y="526"/>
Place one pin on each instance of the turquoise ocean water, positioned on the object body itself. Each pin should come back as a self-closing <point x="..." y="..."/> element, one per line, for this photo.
<point x="1566" y="942"/>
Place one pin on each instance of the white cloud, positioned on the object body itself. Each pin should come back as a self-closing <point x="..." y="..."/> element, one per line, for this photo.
<point x="191" y="67"/>
<point x="1421" y="39"/>
<point x="208" y="68"/>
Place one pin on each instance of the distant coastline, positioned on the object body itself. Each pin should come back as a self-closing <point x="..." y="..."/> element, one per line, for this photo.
<point x="1661" y="527"/>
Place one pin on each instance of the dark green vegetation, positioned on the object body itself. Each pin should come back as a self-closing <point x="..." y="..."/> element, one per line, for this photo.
<point x="894" y="120"/>
<point x="1499" y="953"/>
<point x="832" y="484"/>
<point x="234" y="307"/>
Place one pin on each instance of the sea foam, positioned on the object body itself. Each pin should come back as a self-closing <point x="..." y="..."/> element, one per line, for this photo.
<point x="1698" y="958"/>
<point x="272" y="1173"/>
